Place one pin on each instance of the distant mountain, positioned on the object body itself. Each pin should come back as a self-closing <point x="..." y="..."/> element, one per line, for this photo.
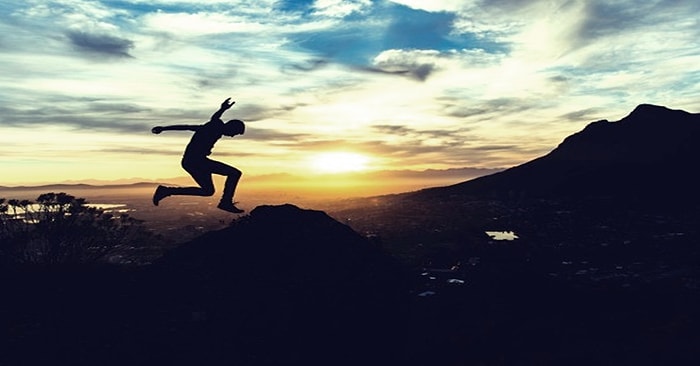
<point x="76" y="186"/>
<point x="651" y="153"/>
<point x="361" y="184"/>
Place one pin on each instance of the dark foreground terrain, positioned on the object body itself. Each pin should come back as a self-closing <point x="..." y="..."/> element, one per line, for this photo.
<point x="285" y="286"/>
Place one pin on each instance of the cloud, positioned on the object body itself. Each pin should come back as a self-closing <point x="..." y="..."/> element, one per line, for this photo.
<point x="340" y="8"/>
<point x="453" y="6"/>
<point x="273" y="136"/>
<point x="91" y="116"/>
<point x="486" y="109"/>
<point x="307" y="66"/>
<point x="175" y="152"/>
<point x="417" y="64"/>
<point x="604" y="18"/>
<point x="200" y="24"/>
<point x="445" y="137"/>
<point x="394" y="130"/>
<point x="115" y="108"/>
<point x="137" y="150"/>
<point x="421" y="64"/>
<point x="587" y="114"/>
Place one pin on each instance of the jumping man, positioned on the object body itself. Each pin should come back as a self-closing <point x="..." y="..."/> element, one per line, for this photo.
<point x="196" y="162"/>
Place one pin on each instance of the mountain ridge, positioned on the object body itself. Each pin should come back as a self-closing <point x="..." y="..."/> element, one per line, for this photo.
<point x="649" y="151"/>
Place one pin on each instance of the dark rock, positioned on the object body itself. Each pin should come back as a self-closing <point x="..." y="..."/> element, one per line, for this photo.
<point x="285" y="286"/>
<point x="282" y="286"/>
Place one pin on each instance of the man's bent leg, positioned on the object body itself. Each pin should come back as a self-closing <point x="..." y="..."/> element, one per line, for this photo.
<point x="230" y="186"/>
<point x="233" y="175"/>
<point x="226" y="202"/>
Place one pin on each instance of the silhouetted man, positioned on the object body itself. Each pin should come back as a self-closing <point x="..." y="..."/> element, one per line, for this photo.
<point x="196" y="162"/>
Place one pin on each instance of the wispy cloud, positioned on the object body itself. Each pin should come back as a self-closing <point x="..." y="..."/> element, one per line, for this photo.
<point x="100" y="44"/>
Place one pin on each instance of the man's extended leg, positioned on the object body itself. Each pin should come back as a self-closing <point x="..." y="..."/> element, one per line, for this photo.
<point x="200" y="173"/>
<point x="160" y="193"/>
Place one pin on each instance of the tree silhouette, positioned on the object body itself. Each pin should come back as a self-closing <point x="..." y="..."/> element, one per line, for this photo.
<point x="60" y="228"/>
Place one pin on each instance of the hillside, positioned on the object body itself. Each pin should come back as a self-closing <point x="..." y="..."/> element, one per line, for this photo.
<point x="648" y="154"/>
<point x="281" y="286"/>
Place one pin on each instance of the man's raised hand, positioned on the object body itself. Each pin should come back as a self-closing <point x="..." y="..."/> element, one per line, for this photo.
<point x="227" y="104"/>
<point x="157" y="129"/>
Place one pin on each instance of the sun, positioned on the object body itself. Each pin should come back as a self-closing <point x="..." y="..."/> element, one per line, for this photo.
<point x="339" y="162"/>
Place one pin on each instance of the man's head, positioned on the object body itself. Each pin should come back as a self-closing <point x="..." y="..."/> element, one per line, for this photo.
<point x="234" y="127"/>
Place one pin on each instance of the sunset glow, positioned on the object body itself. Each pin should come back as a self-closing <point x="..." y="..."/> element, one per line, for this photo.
<point x="339" y="162"/>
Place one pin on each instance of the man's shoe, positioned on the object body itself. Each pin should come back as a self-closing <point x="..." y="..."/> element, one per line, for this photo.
<point x="230" y="207"/>
<point x="159" y="194"/>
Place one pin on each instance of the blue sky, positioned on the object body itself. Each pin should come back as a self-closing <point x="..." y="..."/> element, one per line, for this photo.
<point x="409" y="84"/>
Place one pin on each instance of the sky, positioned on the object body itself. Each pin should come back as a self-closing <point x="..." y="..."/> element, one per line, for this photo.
<point x="327" y="86"/>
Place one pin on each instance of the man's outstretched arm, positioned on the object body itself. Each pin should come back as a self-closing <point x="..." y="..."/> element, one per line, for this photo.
<point x="225" y="105"/>
<point x="159" y="129"/>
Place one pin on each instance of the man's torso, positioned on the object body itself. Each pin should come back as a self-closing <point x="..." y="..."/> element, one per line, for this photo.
<point x="203" y="140"/>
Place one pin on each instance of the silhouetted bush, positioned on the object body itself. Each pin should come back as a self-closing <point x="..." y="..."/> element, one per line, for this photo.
<point x="60" y="228"/>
